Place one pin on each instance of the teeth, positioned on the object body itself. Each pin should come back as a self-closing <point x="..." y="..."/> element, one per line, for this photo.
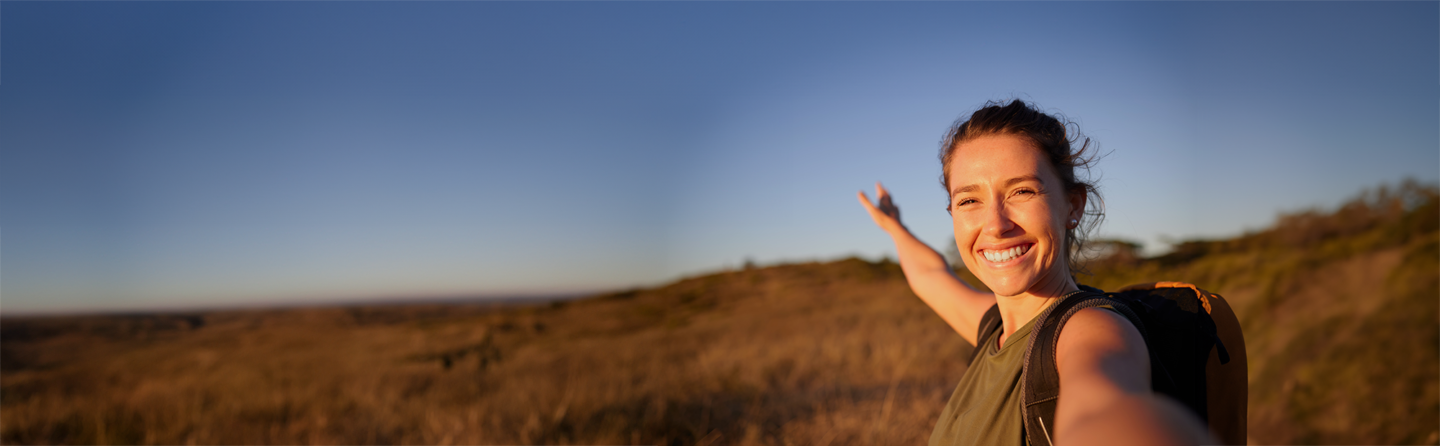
<point x="1005" y="255"/>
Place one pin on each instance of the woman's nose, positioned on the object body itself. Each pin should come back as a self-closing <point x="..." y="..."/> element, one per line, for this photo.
<point x="998" y="222"/>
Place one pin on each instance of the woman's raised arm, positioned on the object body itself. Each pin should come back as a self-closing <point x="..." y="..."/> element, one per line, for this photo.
<point x="929" y="276"/>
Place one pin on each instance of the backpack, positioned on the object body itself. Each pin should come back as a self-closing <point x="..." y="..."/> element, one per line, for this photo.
<point x="1197" y="353"/>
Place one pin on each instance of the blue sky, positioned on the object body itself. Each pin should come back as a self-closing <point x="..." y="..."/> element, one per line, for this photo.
<point x="200" y="154"/>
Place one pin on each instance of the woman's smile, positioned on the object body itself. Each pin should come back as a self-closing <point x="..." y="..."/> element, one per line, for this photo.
<point x="1001" y="257"/>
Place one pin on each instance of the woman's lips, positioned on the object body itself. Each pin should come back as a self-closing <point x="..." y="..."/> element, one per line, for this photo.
<point x="1006" y="255"/>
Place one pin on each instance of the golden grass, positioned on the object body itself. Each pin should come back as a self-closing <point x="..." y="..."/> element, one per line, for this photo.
<point x="735" y="358"/>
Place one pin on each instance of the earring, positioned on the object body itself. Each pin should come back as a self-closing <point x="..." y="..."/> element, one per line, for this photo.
<point x="1074" y="222"/>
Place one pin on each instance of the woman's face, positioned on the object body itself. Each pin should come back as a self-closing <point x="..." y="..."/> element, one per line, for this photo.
<point x="1011" y="212"/>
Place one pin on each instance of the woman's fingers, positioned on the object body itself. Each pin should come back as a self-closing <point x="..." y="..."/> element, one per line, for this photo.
<point x="869" y="207"/>
<point x="885" y="214"/>
<point x="886" y="205"/>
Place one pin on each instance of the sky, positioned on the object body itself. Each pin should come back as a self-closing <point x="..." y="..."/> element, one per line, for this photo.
<point x="176" y="155"/>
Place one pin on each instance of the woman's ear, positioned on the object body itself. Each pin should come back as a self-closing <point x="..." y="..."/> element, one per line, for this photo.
<point x="1077" y="207"/>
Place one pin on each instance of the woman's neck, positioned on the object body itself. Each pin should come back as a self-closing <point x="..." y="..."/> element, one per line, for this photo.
<point x="1018" y="310"/>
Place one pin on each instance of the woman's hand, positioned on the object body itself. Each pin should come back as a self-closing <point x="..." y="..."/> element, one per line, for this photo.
<point x="929" y="276"/>
<point x="886" y="214"/>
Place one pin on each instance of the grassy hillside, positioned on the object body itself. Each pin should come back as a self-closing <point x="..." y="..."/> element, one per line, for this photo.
<point x="817" y="353"/>
<point x="1341" y="311"/>
<point x="1341" y="314"/>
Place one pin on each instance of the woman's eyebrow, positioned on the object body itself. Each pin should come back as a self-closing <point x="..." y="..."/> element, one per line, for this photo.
<point x="1022" y="179"/>
<point x="964" y="189"/>
<point x="1008" y="183"/>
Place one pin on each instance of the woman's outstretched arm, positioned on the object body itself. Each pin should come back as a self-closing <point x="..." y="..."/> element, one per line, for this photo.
<point x="929" y="276"/>
<point x="1105" y="396"/>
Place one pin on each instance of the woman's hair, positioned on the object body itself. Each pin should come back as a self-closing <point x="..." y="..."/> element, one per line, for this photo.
<point x="1055" y="138"/>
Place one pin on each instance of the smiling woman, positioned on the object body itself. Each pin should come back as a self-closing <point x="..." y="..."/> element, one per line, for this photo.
<point x="1016" y="123"/>
<point x="1018" y="211"/>
<point x="1012" y="211"/>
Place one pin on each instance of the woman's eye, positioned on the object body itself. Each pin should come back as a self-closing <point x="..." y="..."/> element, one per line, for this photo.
<point x="964" y="202"/>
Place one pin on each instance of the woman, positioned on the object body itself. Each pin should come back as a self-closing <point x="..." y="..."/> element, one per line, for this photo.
<point x="1018" y="208"/>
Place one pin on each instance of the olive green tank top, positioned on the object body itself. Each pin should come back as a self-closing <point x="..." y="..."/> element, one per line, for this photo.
<point x="985" y="408"/>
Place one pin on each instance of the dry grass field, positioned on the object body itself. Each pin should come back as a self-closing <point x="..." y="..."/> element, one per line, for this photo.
<point x="1341" y="312"/>
<point x="727" y="358"/>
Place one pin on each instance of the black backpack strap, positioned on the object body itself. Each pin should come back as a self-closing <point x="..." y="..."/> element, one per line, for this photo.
<point x="1040" y="380"/>
<point x="1220" y="345"/>
<point x="988" y="323"/>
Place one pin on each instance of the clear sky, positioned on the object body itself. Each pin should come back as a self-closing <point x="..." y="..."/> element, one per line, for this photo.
<point x="197" y="154"/>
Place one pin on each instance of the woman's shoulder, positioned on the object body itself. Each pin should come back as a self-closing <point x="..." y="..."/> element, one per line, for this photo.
<point x="1099" y="336"/>
<point x="1099" y="324"/>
